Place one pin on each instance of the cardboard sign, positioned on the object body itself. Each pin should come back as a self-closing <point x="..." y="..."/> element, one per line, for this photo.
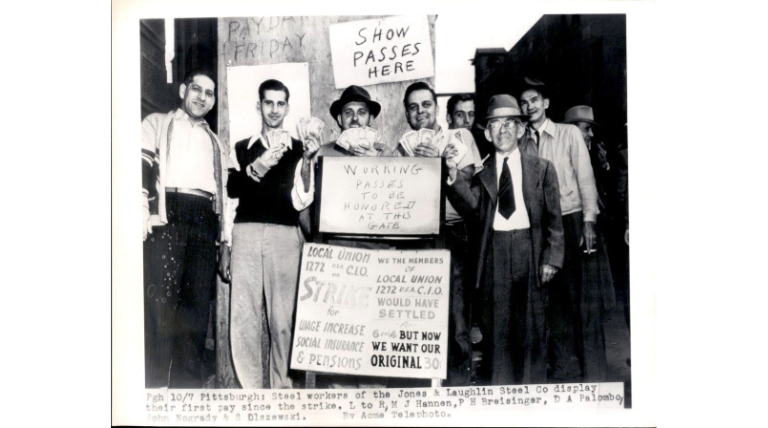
<point x="380" y="196"/>
<point x="372" y="312"/>
<point x="381" y="50"/>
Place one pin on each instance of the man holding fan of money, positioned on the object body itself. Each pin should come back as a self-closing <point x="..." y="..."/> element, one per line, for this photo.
<point x="354" y="111"/>
<point x="457" y="146"/>
<point x="272" y="181"/>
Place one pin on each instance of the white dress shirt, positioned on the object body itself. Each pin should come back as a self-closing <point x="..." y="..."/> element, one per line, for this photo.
<point x="519" y="218"/>
<point x="190" y="158"/>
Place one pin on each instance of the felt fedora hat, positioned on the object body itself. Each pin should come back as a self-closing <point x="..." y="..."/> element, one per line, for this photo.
<point x="504" y="105"/>
<point x="580" y="114"/>
<point x="355" y="93"/>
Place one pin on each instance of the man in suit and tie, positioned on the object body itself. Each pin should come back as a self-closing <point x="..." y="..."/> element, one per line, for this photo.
<point x="515" y="200"/>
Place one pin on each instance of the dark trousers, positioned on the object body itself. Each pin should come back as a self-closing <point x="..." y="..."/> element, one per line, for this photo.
<point x="513" y="312"/>
<point x="459" y="347"/>
<point x="179" y="278"/>
<point x="579" y="296"/>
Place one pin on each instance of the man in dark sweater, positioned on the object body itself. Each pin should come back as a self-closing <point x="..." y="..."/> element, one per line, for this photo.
<point x="272" y="183"/>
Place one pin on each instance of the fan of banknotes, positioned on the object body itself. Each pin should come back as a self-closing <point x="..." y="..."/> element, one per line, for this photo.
<point x="279" y="137"/>
<point x="412" y="139"/>
<point x="358" y="137"/>
<point x="310" y="126"/>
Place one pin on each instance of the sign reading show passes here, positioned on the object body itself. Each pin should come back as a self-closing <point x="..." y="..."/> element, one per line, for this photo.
<point x="381" y="50"/>
<point x="372" y="312"/>
<point x="380" y="196"/>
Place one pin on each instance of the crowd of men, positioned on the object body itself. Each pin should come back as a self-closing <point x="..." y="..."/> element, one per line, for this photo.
<point x="528" y="226"/>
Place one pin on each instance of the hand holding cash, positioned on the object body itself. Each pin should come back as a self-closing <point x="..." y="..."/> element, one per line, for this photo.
<point x="359" y="141"/>
<point x="310" y="128"/>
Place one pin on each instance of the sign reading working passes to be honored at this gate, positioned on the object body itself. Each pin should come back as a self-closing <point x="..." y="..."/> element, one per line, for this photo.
<point x="372" y="312"/>
<point x="380" y="196"/>
<point x="374" y="51"/>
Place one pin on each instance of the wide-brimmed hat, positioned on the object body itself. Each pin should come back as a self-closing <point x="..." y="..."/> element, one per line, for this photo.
<point x="504" y="105"/>
<point x="531" y="83"/>
<point x="580" y="114"/>
<point x="351" y="94"/>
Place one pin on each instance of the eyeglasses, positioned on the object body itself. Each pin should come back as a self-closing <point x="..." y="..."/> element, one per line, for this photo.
<point x="497" y="124"/>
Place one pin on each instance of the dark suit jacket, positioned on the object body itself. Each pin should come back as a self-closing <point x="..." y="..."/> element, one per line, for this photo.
<point x="476" y="201"/>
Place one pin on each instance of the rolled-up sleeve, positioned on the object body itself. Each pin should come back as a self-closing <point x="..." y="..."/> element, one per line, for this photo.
<point x="299" y="197"/>
<point x="584" y="175"/>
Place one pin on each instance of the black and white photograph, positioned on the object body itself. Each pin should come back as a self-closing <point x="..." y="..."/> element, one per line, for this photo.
<point x="419" y="217"/>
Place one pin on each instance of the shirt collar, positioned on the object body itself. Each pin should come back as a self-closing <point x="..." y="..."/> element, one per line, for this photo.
<point x="547" y="127"/>
<point x="515" y="154"/>
<point x="180" y="114"/>
<point x="254" y="139"/>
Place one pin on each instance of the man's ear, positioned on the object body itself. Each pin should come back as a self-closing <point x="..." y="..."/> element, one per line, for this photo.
<point x="520" y="131"/>
<point x="545" y="103"/>
<point x="448" y="119"/>
<point x="182" y="91"/>
<point x="338" y="120"/>
<point x="488" y="135"/>
<point x="258" y="106"/>
<point x="287" y="109"/>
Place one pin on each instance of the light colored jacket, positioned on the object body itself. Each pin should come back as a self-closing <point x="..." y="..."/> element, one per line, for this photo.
<point x="563" y="145"/>
<point x="156" y="129"/>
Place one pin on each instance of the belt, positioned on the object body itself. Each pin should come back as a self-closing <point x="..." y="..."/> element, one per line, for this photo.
<point x="195" y="192"/>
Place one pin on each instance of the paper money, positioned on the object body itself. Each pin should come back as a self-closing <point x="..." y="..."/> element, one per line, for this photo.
<point x="315" y="127"/>
<point x="358" y="137"/>
<point x="456" y="137"/>
<point x="409" y="141"/>
<point x="426" y="136"/>
<point x="279" y="137"/>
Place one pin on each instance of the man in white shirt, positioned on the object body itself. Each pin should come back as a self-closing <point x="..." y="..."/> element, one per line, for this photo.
<point x="515" y="202"/>
<point x="421" y="111"/>
<point x="185" y="204"/>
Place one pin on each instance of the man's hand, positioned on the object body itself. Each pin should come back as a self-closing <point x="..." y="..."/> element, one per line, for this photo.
<point x="426" y="150"/>
<point x="364" y="152"/>
<point x="602" y="155"/>
<point x="547" y="273"/>
<point x="146" y="227"/>
<point x="588" y="236"/>
<point x="267" y="160"/>
<point x="311" y="146"/>
<point x="449" y="154"/>
<point x="225" y="258"/>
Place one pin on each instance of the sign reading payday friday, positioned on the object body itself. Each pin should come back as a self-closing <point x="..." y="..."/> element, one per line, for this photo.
<point x="381" y="50"/>
<point x="380" y="196"/>
<point x="372" y="312"/>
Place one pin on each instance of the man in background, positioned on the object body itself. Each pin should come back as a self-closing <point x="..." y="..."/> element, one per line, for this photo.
<point x="583" y="292"/>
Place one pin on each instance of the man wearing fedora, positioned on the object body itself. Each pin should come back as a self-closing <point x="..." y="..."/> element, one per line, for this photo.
<point x="610" y="167"/>
<point x="516" y="204"/>
<point x="354" y="109"/>
<point x="583" y="292"/>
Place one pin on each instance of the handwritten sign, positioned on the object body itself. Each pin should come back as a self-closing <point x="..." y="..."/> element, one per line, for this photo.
<point x="381" y="50"/>
<point x="372" y="312"/>
<point x="380" y="196"/>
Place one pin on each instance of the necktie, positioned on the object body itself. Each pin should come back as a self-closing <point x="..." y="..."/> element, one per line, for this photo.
<point x="506" y="194"/>
<point x="533" y="138"/>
